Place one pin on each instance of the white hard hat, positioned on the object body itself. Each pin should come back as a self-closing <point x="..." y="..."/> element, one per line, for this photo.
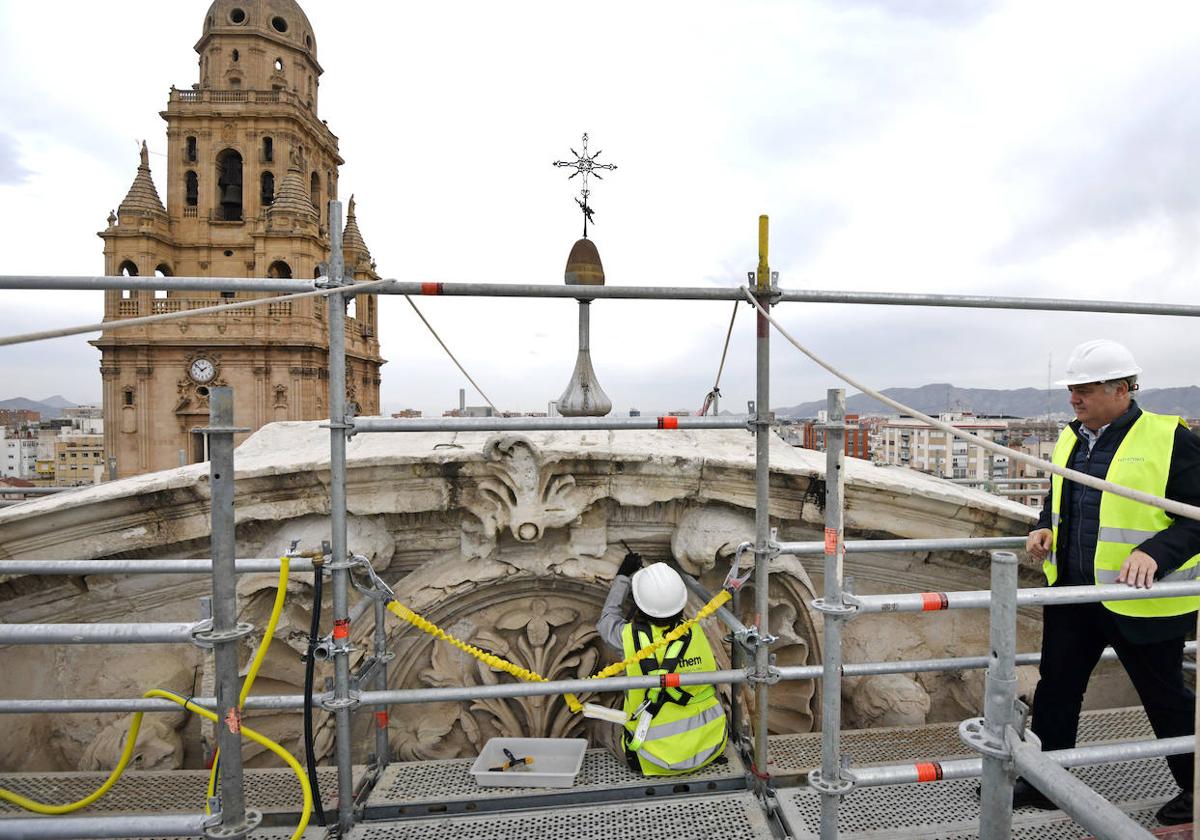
<point x="658" y="590"/>
<point x="1099" y="361"/>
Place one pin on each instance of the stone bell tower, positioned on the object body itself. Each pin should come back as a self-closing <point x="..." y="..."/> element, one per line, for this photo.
<point x="250" y="169"/>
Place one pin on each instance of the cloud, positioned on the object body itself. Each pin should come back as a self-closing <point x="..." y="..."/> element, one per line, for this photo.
<point x="11" y="169"/>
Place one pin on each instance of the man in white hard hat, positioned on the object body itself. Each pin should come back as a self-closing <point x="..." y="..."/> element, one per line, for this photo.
<point x="671" y="729"/>
<point x="1087" y="537"/>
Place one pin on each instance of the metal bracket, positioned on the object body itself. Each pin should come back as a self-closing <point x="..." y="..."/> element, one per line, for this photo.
<point x="344" y="563"/>
<point x="205" y="637"/>
<point x="218" y="831"/>
<point x="371" y="664"/>
<point x="772" y="676"/>
<point x="847" y="609"/>
<point x="974" y="733"/>
<point x="835" y="787"/>
<point x="333" y="704"/>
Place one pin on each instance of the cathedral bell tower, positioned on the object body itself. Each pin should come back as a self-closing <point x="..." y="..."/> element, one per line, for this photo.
<point x="250" y="171"/>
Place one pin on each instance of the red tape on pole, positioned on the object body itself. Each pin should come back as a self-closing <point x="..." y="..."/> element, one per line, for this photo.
<point x="341" y="628"/>
<point x="929" y="771"/>
<point x="381" y="720"/>
<point x="668" y="422"/>
<point x="431" y="288"/>
<point x="934" y="601"/>
<point x="670" y="681"/>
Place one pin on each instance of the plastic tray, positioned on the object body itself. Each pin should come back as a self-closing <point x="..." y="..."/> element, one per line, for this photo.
<point x="556" y="762"/>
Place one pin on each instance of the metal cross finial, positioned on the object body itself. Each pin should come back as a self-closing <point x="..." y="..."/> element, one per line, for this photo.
<point x="585" y="165"/>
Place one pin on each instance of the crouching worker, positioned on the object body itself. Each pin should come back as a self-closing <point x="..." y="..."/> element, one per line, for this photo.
<point x="668" y="730"/>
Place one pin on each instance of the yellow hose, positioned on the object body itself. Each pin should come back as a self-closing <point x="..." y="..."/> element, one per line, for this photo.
<point x="46" y="808"/>
<point x="276" y="609"/>
<point x="259" y="739"/>
<point x="517" y="671"/>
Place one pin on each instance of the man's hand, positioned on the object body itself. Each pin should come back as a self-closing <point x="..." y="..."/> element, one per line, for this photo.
<point x="631" y="563"/>
<point x="1039" y="543"/>
<point x="1138" y="570"/>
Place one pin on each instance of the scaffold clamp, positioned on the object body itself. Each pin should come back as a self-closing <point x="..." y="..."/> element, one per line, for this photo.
<point x="834" y="787"/>
<point x="333" y="704"/>
<point x="204" y="636"/>
<point x="849" y="607"/>
<point x="216" y="830"/>
<point x="973" y="732"/>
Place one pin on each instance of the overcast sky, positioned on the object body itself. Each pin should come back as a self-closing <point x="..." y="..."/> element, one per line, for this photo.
<point x="1045" y="149"/>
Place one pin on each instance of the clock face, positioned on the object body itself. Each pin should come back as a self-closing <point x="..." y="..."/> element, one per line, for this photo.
<point x="202" y="370"/>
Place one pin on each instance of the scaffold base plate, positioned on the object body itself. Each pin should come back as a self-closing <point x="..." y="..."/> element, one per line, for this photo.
<point x="414" y="789"/>
<point x="274" y="792"/>
<point x="720" y="816"/>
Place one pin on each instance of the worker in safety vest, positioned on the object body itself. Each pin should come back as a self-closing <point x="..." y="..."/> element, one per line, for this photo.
<point x="1087" y="537"/>
<point x="668" y="730"/>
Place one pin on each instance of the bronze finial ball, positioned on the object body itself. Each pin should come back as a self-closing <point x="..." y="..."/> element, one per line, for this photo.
<point x="583" y="265"/>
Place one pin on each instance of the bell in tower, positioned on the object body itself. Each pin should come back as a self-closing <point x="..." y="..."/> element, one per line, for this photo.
<point x="229" y="185"/>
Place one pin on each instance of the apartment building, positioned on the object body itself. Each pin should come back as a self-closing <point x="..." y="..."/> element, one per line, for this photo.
<point x="908" y="442"/>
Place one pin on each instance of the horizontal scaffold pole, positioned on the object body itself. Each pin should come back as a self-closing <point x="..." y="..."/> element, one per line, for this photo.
<point x="98" y="634"/>
<point x="817" y="547"/>
<point x="971" y="768"/>
<point x="982" y="598"/>
<point x="96" y="826"/>
<point x="535" y="424"/>
<point x="613" y="684"/>
<point x="144" y="567"/>
<point x="191" y="284"/>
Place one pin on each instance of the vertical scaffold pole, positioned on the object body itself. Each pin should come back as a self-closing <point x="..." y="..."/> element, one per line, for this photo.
<point x="831" y="786"/>
<point x="999" y="702"/>
<point x="226" y="635"/>
<point x="339" y="566"/>
<point x="382" y="752"/>
<point x="762" y="518"/>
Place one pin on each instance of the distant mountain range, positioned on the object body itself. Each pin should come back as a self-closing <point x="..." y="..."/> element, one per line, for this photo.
<point x="1021" y="402"/>
<point x="50" y="408"/>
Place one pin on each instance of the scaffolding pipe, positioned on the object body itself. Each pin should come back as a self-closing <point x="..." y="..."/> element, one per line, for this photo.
<point x="225" y="637"/>
<point x="1088" y="808"/>
<point x="96" y="826"/>
<point x="723" y="613"/>
<point x="339" y="566"/>
<point x="834" y="613"/>
<point x="382" y="656"/>
<point x="734" y="676"/>
<point x="193" y="284"/>
<point x="159" y="633"/>
<point x="980" y="599"/>
<point x="999" y="699"/>
<point x="537" y="424"/>
<point x="762" y="516"/>
<point x="817" y="547"/>
<point x="971" y="768"/>
<point x="145" y="567"/>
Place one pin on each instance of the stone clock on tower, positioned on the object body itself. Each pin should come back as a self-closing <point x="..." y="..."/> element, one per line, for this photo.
<point x="250" y="169"/>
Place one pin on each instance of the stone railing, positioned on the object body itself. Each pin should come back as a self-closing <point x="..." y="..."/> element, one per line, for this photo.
<point x="127" y="308"/>
<point x="236" y="96"/>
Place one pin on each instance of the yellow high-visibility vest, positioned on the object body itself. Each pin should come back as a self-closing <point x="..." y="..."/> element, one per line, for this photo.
<point x="681" y="738"/>
<point x="1141" y="462"/>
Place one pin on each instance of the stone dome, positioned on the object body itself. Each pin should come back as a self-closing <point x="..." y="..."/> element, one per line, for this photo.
<point x="279" y="20"/>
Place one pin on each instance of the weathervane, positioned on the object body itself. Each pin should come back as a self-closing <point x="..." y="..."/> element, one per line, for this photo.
<point x="585" y="165"/>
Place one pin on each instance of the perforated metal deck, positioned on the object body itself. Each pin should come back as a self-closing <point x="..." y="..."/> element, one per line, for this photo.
<point x="792" y="756"/>
<point x="419" y="788"/>
<point x="722" y="816"/>
<point x="274" y="792"/>
<point x="950" y="810"/>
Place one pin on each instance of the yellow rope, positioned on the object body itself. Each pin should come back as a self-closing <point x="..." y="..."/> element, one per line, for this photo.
<point x="517" y="671"/>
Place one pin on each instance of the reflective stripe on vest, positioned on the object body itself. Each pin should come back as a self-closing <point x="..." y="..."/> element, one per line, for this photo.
<point x="1141" y="462"/>
<point x="682" y="736"/>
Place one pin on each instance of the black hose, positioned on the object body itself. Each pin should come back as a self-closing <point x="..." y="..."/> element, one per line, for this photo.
<point x="310" y="661"/>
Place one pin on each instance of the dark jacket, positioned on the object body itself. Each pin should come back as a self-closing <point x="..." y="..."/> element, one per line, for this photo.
<point x="1080" y="522"/>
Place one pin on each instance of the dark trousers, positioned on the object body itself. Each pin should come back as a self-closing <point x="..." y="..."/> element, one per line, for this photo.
<point x="1073" y="637"/>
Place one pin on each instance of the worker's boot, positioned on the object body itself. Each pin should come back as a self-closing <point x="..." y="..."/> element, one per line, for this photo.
<point x="1177" y="811"/>
<point x="1026" y="795"/>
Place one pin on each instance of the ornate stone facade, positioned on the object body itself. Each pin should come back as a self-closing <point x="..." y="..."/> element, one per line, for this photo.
<point x="506" y="541"/>
<point x="250" y="171"/>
